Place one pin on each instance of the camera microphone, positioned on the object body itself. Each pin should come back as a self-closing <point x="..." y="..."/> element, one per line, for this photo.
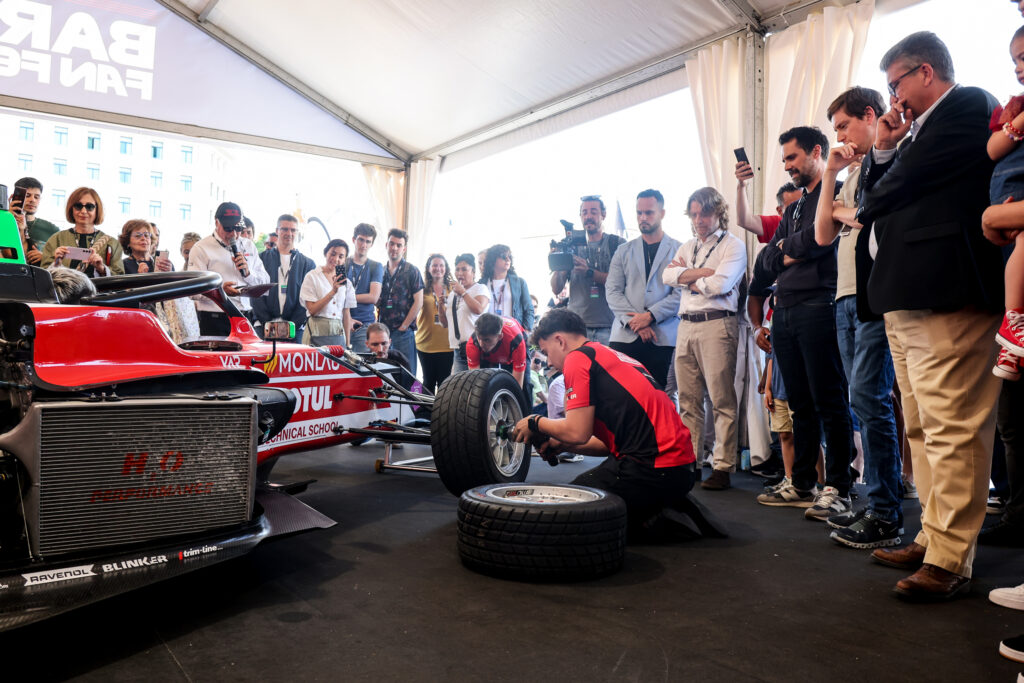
<point x="244" y="270"/>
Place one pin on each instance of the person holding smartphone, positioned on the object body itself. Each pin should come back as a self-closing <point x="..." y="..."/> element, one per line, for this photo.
<point x="84" y="247"/>
<point x="27" y="195"/>
<point x="329" y="297"/>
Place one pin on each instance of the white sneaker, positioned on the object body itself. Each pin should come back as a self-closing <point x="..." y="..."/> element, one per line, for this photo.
<point x="1008" y="597"/>
<point x="570" y="457"/>
<point x="828" y="503"/>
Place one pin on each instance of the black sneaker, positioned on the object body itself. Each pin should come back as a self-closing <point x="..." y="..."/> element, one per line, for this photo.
<point x="1004" y="534"/>
<point x="869" y="532"/>
<point x="1013" y="648"/>
<point x="845" y="519"/>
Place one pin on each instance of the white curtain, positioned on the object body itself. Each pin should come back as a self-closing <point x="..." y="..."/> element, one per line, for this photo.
<point x="387" y="191"/>
<point x="806" y="67"/>
<point x="718" y="85"/>
<point x="422" y="177"/>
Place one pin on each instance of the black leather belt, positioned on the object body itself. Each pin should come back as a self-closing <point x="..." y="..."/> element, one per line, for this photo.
<point x="704" y="317"/>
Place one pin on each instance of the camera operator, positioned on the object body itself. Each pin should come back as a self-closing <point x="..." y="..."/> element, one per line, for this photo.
<point x="587" y="278"/>
<point x="235" y="259"/>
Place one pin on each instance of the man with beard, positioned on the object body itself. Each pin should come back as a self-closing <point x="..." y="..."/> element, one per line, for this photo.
<point x="804" y="334"/>
<point x="587" y="278"/>
<point x="645" y="308"/>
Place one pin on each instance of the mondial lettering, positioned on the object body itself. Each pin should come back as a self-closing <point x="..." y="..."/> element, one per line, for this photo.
<point x="120" y="63"/>
<point x="307" y="362"/>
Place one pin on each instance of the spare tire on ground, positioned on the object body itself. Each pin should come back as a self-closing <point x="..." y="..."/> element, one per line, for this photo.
<point x="542" y="532"/>
<point x="470" y="430"/>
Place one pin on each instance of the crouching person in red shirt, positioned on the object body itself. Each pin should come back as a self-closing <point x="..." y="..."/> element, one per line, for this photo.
<point x="499" y="343"/>
<point x="614" y="407"/>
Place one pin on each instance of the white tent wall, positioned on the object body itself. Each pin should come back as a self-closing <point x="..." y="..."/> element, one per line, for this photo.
<point x="806" y="67"/>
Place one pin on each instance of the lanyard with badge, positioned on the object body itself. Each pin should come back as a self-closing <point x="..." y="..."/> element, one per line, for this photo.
<point x="696" y="248"/>
<point x="283" y="277"/>
<point x="498" y="297"/>
<point x="390" y="282"/>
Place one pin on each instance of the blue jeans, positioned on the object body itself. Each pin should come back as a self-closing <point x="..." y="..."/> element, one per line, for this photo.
<point x="406" y="343"/>
<point x="358" y="341"/>
<point x="804" y="341"/>
<point x="599" y="334"/>
<point x="868" y="365"/>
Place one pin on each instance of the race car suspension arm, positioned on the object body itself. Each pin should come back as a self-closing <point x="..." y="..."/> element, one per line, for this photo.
<point x="353" y="359"/>
<point x="379" y="399"/>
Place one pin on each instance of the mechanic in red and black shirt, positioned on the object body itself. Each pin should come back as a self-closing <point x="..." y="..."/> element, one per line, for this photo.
<point x="498" y="343"/>
<point x="613" y="407"/>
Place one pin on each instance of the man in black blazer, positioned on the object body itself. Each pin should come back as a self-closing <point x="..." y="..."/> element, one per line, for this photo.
<point x="939" y="284"/>
<point x="287" y="267"/>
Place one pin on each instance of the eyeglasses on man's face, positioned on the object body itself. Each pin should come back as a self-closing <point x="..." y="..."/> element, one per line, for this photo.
<point x="896" y="83"/>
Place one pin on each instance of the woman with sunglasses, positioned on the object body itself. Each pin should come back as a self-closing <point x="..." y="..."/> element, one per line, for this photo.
<point x="85" y="210"/>
<point x="136" y="238"/>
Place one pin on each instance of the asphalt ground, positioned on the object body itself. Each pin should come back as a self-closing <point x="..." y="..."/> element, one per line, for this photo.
<point x="383" y="596"/>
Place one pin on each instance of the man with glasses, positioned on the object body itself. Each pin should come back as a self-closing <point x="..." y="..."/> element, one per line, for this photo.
<point x="366" y="276"/>
<point x="708" y="270"/>
<point x="590" y="271"/>
<point x="938" y="282"/>
<point x="289" y="267"/>
<point x="235" y="259"/>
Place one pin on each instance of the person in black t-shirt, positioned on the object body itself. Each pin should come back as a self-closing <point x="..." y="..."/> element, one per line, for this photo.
<point x="613" y="407"/>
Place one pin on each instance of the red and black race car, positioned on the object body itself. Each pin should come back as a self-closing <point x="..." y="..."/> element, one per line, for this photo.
<point x="126" y="458"/>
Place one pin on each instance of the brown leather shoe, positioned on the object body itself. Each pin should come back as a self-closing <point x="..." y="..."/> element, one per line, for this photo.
<point x="908" y="557"/>
<point x="930" y="583"/>
<point x="718" y="481"/>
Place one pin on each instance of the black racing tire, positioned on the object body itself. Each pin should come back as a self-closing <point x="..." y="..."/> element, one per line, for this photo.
<point x="470" y="410"/>
<point x="542" y="532"/>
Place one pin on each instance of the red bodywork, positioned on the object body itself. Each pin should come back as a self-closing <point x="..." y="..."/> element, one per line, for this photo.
<point x="77" y="347"/>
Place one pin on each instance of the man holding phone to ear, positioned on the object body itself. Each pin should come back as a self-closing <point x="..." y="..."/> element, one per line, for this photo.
<point x="235" y="259"/>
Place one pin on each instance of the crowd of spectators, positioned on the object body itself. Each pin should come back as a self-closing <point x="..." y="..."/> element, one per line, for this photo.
<point x="890" y="306"/>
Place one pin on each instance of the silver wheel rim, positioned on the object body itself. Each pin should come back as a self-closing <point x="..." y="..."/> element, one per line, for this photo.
<point x="504" y="412"/>
<point x="543" y="495"/>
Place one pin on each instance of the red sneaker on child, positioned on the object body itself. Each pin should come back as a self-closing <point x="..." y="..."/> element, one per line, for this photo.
<point x="1011" y="332"/>
<point x="1007" y="366"/>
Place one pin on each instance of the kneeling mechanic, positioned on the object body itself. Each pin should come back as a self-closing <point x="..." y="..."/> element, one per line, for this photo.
<point x="614" y="407"/>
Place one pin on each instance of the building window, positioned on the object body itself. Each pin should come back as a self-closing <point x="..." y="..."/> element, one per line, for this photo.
<point x="25" y="162"/>
<point x="27" y="131"/>
<point x="60" y="135"/>
<point x="186" y="183"/>
<point x="156" y="178"/>
<point x="126" y="145"/>
<point x="59" y="197"/>
<point x="186" y="155"/>
<point x="93" y="170"/>
<point x="125" y="176"/>
<point x="157" y="150"/>
<point x="154" y="209"/>
<point x="125" y="203"/>
<point x="92" y="141"/>
<point x="186" y="211"/>
<point x="60" y="166"/>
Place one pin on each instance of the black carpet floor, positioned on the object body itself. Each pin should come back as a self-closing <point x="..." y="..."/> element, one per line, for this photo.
<point x="383" y="596"/>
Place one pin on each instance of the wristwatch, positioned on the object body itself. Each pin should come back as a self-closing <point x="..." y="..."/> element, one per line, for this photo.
<point x="590" y="273"/>
<point x="534" y="423"/>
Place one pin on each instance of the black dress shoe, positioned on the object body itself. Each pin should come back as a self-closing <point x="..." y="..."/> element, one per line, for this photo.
<point x="1003" y="533"/>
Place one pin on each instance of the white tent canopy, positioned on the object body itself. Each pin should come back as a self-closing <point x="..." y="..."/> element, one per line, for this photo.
<point x="431" y="77"/>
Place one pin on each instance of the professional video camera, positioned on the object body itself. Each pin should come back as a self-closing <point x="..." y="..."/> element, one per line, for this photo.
<point x="565" y="249"/>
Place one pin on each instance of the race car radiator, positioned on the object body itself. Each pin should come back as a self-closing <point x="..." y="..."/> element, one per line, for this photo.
<point x="115" y="473"/>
